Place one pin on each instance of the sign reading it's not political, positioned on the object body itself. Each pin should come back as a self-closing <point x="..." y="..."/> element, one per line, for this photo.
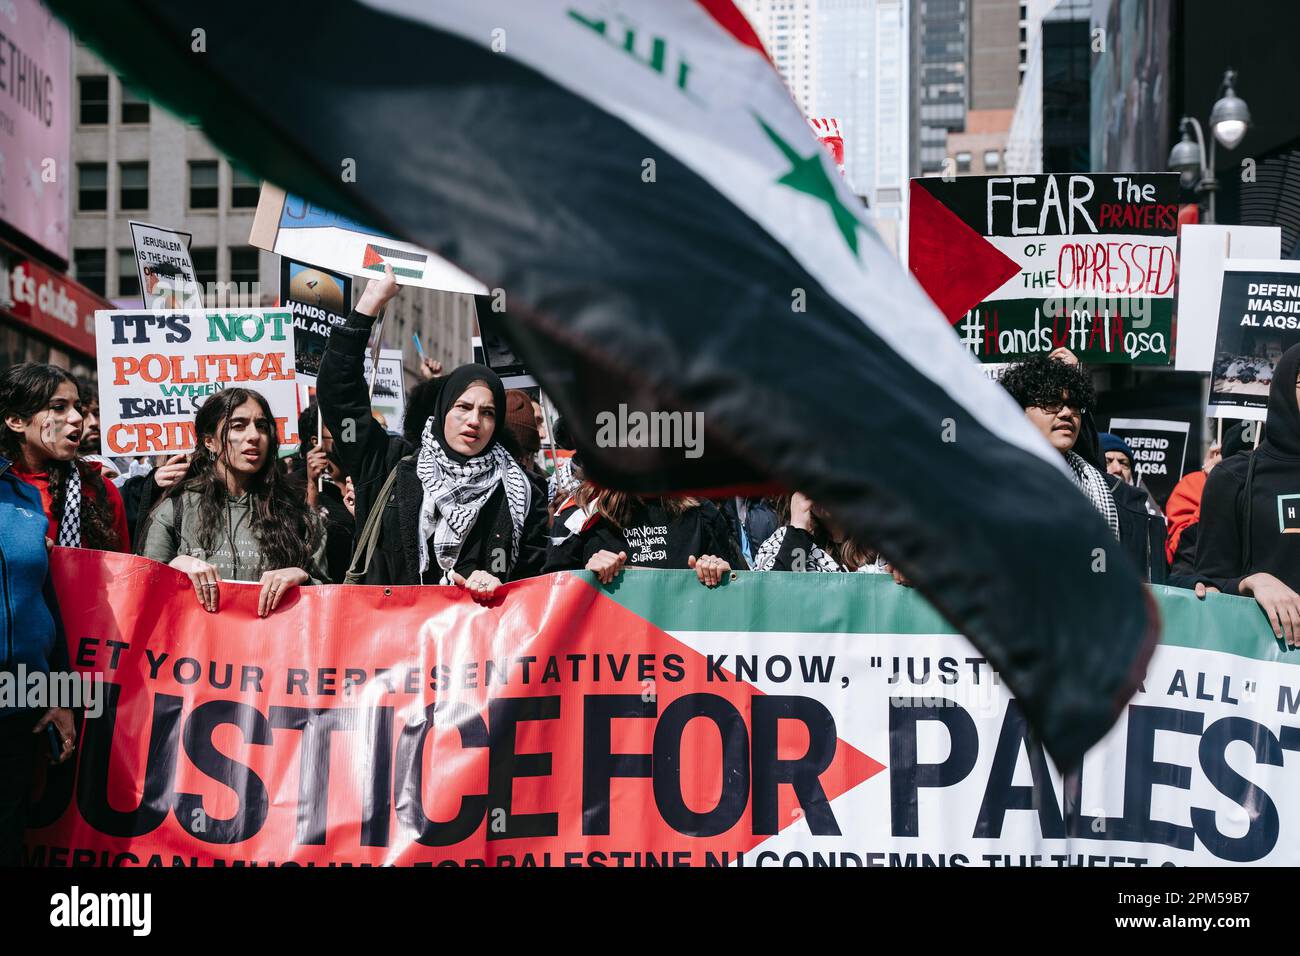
<point x="293" y="227"/>
<point x="1022" y="265"/>
<point x="319" y="300"/>
<point x="1259" y="319"/>
<point x="158" y="367"/>
<point x="1159" y="450"/>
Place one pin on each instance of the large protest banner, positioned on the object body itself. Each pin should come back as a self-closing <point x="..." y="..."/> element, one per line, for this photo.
<point x="320" y="301"/>
<point x="157" y="367"/>
<point x="1259" y="319"/>
<point x="1159" y="451"/>
<point x="1022" y="265"/>
<point x="780" y="720"/>
<point x="293" y="227"/>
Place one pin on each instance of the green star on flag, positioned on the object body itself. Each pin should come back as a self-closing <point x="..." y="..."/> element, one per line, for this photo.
<point x="808" y="175"/>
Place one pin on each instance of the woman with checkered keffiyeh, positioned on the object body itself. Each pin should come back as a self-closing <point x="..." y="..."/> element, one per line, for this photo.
<point x="810" y="540"/>
<point x="40" y="434"/>
<point x="456" y="508"/>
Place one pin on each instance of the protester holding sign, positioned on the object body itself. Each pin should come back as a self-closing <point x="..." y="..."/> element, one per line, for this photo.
<point x="454" y="509"/>
<point x="809" y="539"/>
<point x="1249" y="541"/>
<point x="236" y="516"/>
<point x="321" y="481"/>
<point x="41" y="435"/>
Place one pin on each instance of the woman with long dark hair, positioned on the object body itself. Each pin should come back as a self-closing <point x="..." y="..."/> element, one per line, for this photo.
<point x="447" y="502"/>
<point x="647" y="532"/>
<point x="235" y="515"/>
<point x="41" y="433"/>
<point x="809" y="539"/>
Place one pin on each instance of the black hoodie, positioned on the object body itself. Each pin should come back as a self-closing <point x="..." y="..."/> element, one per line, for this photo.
<point x="1264" y="486"/>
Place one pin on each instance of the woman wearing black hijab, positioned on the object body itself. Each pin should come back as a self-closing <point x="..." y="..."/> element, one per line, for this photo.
<point x="1249" y="539"/>
<point x="457" y="508"/>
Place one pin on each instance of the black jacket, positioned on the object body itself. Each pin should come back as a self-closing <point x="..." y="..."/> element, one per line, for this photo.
<point x="369" y="454"/>
<point x="760" y="522"/>
<point x="1250" y="512"/>
<point x="1141" y="531"/>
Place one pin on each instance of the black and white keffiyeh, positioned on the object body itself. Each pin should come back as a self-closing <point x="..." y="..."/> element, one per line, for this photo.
<point x="562" y="482"/>
<point x="1093" y="485"/>
<point x="454" y="494"/>
<point x="70" y="523"/>
<point x="818" y="560"/>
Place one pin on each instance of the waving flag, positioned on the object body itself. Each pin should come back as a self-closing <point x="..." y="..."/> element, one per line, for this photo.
<point x="671" y="237"/>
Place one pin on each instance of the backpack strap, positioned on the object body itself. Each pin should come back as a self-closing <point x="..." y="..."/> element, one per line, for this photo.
<point x="368" y="540"/>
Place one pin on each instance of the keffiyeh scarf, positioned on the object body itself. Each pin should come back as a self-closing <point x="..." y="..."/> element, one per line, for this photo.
<point x="818" y="560"/>
<point x="1093" y="485"/>
<point x="454" y="494"/>
<point x="70" y="523"/>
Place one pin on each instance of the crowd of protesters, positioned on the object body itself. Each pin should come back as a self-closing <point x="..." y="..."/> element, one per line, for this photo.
<point x="464" y="497"/>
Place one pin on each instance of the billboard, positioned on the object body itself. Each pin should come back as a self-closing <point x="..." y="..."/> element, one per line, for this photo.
<point x="35" y="123"/>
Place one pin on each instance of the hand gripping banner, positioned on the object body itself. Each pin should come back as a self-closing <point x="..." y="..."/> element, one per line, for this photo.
<point x="781" y="720"/>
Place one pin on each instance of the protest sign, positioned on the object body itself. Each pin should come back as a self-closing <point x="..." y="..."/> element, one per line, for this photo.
<point x="1202" y="253"/>
<point x="157" y="367"/>
<point x="320" y="301"/>
<point x="1259" y="319"/>
<point x="167" y="276"/>
<point x="780" y="720"/>
<point x="1022" y="265"/>
<point x="389" y="393"/>
<point x="1159" y="451"/>
<point x="292" y="227"/>
<point x="490" y="347"/>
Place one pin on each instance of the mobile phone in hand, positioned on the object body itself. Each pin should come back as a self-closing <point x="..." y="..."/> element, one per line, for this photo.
<point x="55" y="741"/>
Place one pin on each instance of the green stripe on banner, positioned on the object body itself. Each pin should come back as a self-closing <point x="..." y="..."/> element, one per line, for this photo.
<point x="874" y="604"/>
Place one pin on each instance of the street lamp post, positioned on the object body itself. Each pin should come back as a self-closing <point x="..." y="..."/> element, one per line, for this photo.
<point x="1229" y="120"/>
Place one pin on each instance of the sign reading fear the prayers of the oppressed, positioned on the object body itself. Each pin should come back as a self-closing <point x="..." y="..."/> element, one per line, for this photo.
<point x="157" y="367"/>
<point x="1023" y="265"/>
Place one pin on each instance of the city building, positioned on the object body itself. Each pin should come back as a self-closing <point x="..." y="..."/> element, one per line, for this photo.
<point x="132" y="160"/>
<point x="45" y="316"/>
<point x="940" y="79"/>
<point x="848" y="60"/>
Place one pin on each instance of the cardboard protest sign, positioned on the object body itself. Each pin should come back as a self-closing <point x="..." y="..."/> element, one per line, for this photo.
<point x="320" y="301"/>
<point x="167" y="276"/>
<point x="1159" y="451"/>
<point x="158" y="367"/>
<point x="491" y="348"/>
<point x="290" y="226"/>
<point x="389" y="393"/>
<point x="1022" y="265"/>
<point x="1202" y="254"/>
<point x="1259" y="319"/>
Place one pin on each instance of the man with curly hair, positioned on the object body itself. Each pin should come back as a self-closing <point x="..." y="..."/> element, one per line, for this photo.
<point x="1057" y="395"/>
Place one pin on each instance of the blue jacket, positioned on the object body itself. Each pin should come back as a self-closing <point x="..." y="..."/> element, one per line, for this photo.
<point x="31" y="631"/>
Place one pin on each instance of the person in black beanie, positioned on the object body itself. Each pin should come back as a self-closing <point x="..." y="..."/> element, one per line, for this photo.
<point x="1249" y="541"/>
<point x="456" y="506"/>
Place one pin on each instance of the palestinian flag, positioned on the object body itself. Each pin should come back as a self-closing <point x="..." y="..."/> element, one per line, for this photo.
<point x="671" y="237"/>
<point x="404" y="263"/>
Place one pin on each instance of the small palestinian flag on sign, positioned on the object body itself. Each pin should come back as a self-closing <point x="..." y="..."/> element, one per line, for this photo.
<point x="671" y="238"/>
<point x="404" y="263"/>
